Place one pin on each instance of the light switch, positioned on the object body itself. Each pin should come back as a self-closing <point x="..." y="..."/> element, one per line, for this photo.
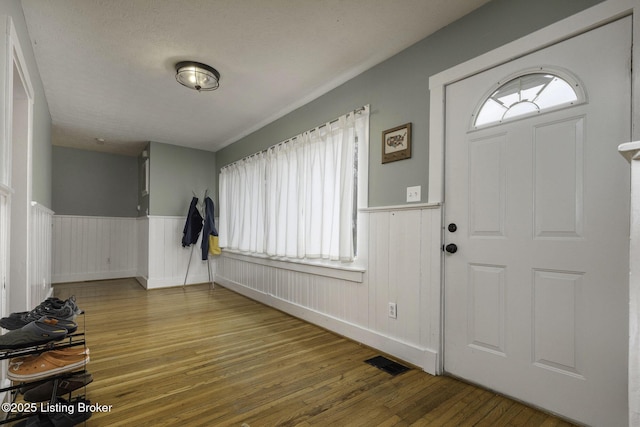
<point x="413" y="193"/>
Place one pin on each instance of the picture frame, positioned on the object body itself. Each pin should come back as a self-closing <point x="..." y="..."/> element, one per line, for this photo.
<point x="396" y="143"/>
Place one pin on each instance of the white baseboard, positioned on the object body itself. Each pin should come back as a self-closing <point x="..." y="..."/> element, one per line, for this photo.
<point x="424" y="358"/>
<point x="169" y="282"/>
<point x="99" y="275"/>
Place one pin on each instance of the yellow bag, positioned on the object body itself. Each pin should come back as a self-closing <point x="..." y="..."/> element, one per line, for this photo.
<point x="214" y="248"/>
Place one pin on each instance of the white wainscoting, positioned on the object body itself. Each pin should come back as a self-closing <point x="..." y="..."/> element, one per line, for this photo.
<point x="399" y="261"/>
<point x="40" y="254"/>
<point x="167" y="259"/>
<point x="5" y="193"/>
<point x="148" y="248"/>
<point x="402" y="246"/>
<point x="631" y="151"/>
<point x="93" y="248"/>
<point x="142" y="232"/>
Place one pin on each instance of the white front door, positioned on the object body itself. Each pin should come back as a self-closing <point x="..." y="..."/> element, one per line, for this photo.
<point x="536" y="295"/>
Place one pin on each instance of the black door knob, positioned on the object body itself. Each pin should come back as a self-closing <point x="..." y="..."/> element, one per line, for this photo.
<point x="452" y="227"/>
<point x="451" y="248"/>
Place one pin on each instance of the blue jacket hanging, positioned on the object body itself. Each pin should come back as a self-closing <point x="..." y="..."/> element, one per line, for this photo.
<point x="209" y="227"/>
<point x="193" y="225"/>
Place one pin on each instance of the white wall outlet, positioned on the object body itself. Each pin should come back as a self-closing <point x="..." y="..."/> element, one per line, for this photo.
<point x="413" y="193"/>
<point x="393" y="310"/>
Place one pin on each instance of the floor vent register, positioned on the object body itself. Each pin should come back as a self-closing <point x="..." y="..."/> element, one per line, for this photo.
<point x="387" y="365"/>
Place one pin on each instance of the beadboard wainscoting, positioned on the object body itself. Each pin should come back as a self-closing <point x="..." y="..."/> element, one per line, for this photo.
<point x="399" y="262"/>
<point x="402" y="246"/>
<point x="167" y="260"/>
<point x="142" y="235"/>
<point x="93" y="248"/>
<point x="148" y="248"/>
<point x="40" y="250"/>
<point x="5" y="193"/>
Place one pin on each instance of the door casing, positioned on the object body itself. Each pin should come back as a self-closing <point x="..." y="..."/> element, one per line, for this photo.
<point x="601" y="14"/>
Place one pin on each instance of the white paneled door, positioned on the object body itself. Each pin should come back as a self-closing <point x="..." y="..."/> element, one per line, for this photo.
<point x="536" y="286"/>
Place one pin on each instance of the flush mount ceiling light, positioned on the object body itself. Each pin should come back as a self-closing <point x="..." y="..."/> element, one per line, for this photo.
<point x="197" y="76"/>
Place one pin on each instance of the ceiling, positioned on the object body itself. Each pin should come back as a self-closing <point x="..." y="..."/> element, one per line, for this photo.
<point x="108" y="66"/>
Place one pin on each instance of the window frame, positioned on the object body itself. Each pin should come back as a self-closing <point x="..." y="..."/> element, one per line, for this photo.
<point x="575" y="83"/>
<point x="361" y="182"/>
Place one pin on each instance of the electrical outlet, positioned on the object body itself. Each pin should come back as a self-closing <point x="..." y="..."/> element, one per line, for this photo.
<point x="413" y="193"/>
<point x="393" y="310"/>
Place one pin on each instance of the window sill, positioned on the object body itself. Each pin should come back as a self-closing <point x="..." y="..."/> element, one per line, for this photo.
<point x="319" y="268"/>
<point x="407" y="207"/>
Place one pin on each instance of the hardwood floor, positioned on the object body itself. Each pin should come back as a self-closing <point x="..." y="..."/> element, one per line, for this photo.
<point x="210" y="357"/>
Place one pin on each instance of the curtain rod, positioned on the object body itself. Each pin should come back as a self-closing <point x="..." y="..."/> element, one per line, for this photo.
<point x="354" y="111"/>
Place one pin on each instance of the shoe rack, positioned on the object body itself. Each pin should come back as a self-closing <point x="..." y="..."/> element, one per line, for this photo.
<point x="19" y="409"/>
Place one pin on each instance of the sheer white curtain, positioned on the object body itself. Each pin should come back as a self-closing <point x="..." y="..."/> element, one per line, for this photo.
<point x="297" y="199"/>
<point x="242" y="196"/>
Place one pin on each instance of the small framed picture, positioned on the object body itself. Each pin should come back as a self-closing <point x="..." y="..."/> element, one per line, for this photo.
<point x="396" y="143"/>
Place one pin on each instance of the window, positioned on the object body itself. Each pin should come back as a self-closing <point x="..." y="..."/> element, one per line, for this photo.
<point x="528" y="94"/>
<point x="297" y="199"/>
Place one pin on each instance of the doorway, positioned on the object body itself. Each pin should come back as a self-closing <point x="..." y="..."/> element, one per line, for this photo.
<point x="15" y="212"/>
<point x="536" y="284"/>
<point x="18" y="297"/>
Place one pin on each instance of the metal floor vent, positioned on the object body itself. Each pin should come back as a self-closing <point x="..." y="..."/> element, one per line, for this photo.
<point x="389" y="366"/>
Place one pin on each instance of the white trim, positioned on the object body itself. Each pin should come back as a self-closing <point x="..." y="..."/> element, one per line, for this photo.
<point x="419" y="356"/>
<point x="42" y="208"/>
<point x="567" y="76"/>
<point x="401" y="207"/>
<point x="86" y="277"/>
<point x="19" y="206"/>
<point x="5" y="91"/>
<point x="116" y="218"/>
<point x="352" y="274"/>
<point x="630" y="150"/>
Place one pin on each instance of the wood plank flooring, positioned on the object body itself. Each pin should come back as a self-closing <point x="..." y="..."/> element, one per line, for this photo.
<point x="210" y="357"/>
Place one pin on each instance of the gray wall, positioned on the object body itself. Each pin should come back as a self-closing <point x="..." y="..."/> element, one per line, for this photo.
<point x="176" y="173"/>
<point x="398" y="91"/>
<point x="94" y="184"/>
<point x="42" y="150"/>
<point x="101" y="184"/>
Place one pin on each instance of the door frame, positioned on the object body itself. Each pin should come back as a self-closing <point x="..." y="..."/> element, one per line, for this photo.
<point x="16" y="146"/>
<point x="596" y="16"/>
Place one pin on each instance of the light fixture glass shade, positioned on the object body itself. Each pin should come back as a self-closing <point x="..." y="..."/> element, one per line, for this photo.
<point x="197" y="76"/>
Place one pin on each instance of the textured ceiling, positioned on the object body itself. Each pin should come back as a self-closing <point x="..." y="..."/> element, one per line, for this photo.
<point x="108" y="66"/>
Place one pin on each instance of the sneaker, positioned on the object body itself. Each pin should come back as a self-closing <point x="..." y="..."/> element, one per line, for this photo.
<point x="43" y="307"/>
<point x="43" y="365"/>
<point x="52" y="307"/>
<point x="71" y="301"/>
<point x="69" y="325"/>
<point x="32" y="334"/>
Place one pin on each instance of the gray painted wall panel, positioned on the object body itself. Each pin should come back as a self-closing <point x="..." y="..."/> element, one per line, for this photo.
<point x="94" y="184"/>
<point x="175" y="174"/>
<point x="398" y="91"/>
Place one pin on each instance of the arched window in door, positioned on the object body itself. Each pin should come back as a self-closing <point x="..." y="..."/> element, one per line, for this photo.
<point x="528" y="93"/>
